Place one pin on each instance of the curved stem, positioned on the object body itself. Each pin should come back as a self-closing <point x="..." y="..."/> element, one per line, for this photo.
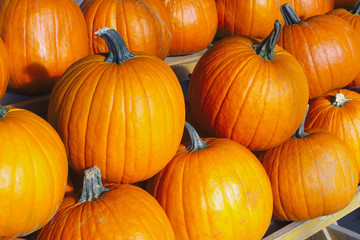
<point x="196" y="143"/>
<point x="92" y="187"/>
<point x="118" y="51"/>
<point x="265" y="49"/>
<point x="356" y="9"/>
<point x="3" y="111"/>
<point x="339" y="100"/>
<point x="289" y="14"/>
<point x="300" y="132"/>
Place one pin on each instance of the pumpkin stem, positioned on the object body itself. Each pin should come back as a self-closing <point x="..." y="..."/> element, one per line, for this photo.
<point x="339" y="100"/>
<point x="300" y="133"/>
<point x="118" y="51"/>
<point x="92" y="186"/>
<point x="265" y="49"/>
<point x="356" y="9"/>
<point x="289" y="14"/>
<point x="3" y="111"/>
<point x="196" y="143"/>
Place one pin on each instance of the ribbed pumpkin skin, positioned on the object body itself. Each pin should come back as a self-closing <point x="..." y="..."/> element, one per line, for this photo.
<point x="43" y="39"/>
<point x="33" y="167"/>
<point x="308" y="8"/>
<point x="236" y="94"/>
<point x="220" y="192"/>
<point x="144" y="25"/>
<point x="343" y="121"/>
<point x="127" y="119"/>
<point x="4" y="68"/>
<point x="327" y="48"/>
<point x="124" y="212"/>
<point x="193" y="23"/>
<point x="311" y="177"/>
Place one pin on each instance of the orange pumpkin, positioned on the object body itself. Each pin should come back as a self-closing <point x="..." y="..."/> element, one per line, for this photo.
<point x="33" y="167"/>
<point x="43" y="39"/>
<point x="4" y="68"/>
<point x="144" y="25"/>
<point x="214" y="189"/>
<point x="309" y="8"/>
<point x="252" y="92"/>
<point x="318" y="43"/>
<point x="193" y="23"/>
<point x="313" y="174"/>
<point x="117" y="111"/>
<point x="338" y="112"/>
<point x="120" y="212"/>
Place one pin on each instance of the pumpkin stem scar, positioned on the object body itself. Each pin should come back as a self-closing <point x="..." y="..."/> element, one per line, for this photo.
<point x="356" y="9"/>
<point x="339" y="100"/>
<point x="118" y="51"/>
<point x="265" y="49"/>
<point x="3" y="111"/>
<point x="289" y="15"/>
<point x="300" y="132"/>
<point x="196" y="143"/>
<point x="92" y="186"/>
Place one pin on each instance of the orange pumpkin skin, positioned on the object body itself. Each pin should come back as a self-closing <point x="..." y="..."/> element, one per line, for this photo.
<point x="343" y="119"/>
<point x="4" y="68"/>
<point x="318" y="45"/>
<point x="311" y="176"/>
<point x="123" y="212"/>
<point x="118" y="116"/>
<point x="33" y="166"/>
<point x="144" y="25"/>
<point x="309" y="8"/>
<point x="193" y="23"/>
<point x="51" y="37"/>
<point x="218" y="192"/>
<point x="230" y="79"/>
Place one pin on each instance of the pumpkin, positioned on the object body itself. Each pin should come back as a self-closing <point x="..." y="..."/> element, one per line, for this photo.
<point x="4" y="68"/>
<point x="33" y="172"/>
<point x="43" y="39"/>
<point x="338" y="112"/>
<point x="193" y="23"/>
<point x="347" y="4"/>
<point x="326" y="46"/>
<point x="309" y="8"/>
<point x="353" y="18"/>
<point x="122" y="112"/>
<point x="214" y="188"/>
<point x="144" y="25"/>
<point x="123" y="211"/>
<point x="313" y="174"/>
<point x="249" y="91"/>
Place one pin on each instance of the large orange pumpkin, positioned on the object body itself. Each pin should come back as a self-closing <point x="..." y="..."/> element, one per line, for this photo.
<point x="4" y="68"/>
<point x="252" y="92"/>
<point x="144" y="25"/>
<point x="33" y="172"/>
<point x="214" y="189"/>
<point x="309" y="8"/>
<point x="313" y="174"/>
<point x="326" y="46"/>
<point x="120" y="111"/>
<point x="122" y="211"/>
<point x="338" y="112"/>
<point x="43" y="39"/>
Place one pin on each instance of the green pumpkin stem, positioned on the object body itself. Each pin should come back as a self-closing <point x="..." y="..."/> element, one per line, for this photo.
<point x="356" y="9"/>
<point x="196" y="143"/>
<point x="265" y="49"/>
<point x="289" y="14"/>
<point x="3" y="111"/>
<point x="92" y="186"/>
<point x="300" y="132"/>
<point x="339" y="100"/>
<point x="118" y="51"/>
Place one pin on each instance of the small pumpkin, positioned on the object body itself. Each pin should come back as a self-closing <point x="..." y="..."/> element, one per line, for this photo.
<point x="252" y="92"/>
<point x="338" y="112"/>
<point x="123" y="211"/>
<point x="121" y="111"/>
<point x="4" y="68"/>
<point x="34" y="169"/>
<point x="312" y="174"/>
<point x="214" y="188"/>
<point x="325" y="45"/>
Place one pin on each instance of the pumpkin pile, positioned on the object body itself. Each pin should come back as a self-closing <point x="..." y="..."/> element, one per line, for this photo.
<point x="270" y="127"/>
